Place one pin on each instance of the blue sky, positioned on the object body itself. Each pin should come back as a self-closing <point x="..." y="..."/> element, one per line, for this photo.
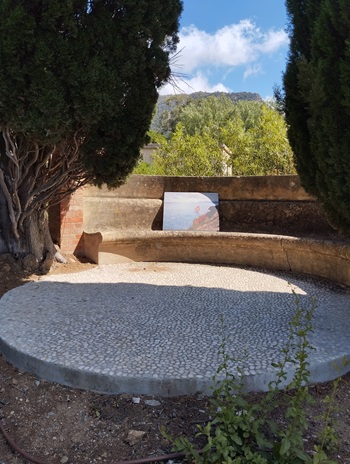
<point x="232" y="46"/>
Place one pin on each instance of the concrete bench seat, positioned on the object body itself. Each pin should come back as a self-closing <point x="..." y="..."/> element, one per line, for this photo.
<point x="322" y="258"/>
<point x="267" y="222"/>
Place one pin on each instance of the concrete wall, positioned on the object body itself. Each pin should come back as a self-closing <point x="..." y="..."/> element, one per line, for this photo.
<point x="147" y="152"/>
<point x="269" y="204"/>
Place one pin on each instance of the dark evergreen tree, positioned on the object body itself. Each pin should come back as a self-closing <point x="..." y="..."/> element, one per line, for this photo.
<point x="78" y="85"/>
<point x="317" y="101"/>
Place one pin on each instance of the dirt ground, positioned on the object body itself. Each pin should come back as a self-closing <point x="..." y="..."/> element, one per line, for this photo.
<point x="58" y="425"/>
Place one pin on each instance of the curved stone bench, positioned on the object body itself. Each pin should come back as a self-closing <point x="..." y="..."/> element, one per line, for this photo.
<point x="322" y="258"/>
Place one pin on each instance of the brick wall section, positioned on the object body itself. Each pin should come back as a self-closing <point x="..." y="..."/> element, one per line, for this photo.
<point x="71" y="218"/>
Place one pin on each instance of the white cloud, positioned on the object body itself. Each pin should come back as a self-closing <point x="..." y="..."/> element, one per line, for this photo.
<point x="204" y="58"/>
<point x="253" y="70"/>
<point x="233" y="45"/>
<point x="198" y="83"/>
<point x="274" y="40"/>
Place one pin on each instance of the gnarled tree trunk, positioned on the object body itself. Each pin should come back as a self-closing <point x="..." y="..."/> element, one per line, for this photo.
<point x="33" y="243"/>
<point x="32" y="176"/>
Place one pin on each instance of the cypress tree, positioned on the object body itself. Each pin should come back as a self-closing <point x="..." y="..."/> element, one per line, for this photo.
<point x="78" y="85"/>
<point x="317" y="101"/>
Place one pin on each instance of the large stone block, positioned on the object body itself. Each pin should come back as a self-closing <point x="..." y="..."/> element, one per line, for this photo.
<point x="105" y="213"/>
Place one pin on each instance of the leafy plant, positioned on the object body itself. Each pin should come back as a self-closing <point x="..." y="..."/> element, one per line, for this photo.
<point x="328" y="437"/>
<point x="242" y="431"/>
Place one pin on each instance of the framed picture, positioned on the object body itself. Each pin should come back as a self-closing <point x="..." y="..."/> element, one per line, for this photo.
<point x="191" y="211"/>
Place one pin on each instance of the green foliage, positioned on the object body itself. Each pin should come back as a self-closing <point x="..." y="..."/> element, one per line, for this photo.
<point x="290" y="447"/>
<point x="91" y="68"/>
<point x="189" y="155"/>
<point x="146" y="169"/>
<point x="243" y="432"/>
<point x="254" y="133"/>
<point x="168" y="110"/>
<point x="169" y="107"/>
<point x="209" y="113"/>
<point x="206" y="114"/>
<point x="258" y="142"/>
<point x="317" y="101"/>
<point x="329" y="438"/>
<point x="155" y="137"/>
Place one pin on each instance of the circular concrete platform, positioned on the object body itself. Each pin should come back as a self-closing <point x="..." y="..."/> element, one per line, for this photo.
<point x="156" y="328"/>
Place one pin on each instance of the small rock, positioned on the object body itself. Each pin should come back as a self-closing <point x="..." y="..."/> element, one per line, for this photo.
<point x="134" y="437"/>
<point x="30" y="263"/>
<point x="6" y="268"/>
<point x="136" y="400"/>
<point x="36" y="383"/>
<point x="14" y="382"/>
<point x="64" y="459"/>
<point x="152" y="402"/>
<point x="47" y="264"/>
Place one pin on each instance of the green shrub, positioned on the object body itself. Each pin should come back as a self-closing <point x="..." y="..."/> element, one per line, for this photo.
<point x="243" y="432"/>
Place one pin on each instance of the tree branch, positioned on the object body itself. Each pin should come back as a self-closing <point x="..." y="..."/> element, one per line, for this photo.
<point x="12" y="215"/>
<point x="28" y="165"/>
<point x="11" y="153"/>
<point x="46" y="174"/>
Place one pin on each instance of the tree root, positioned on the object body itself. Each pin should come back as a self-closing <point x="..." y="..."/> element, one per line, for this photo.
<point x="59" y="258"/>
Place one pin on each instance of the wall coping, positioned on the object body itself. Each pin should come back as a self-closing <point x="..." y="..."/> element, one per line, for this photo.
<point x="277" y="188"/>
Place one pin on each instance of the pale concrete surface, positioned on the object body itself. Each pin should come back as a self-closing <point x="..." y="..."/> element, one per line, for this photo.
<point x="328" y="259"/>
<point x="155" y="328"/>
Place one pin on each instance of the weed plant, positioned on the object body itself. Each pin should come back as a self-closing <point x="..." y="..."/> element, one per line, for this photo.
<point x="242" y="432"/>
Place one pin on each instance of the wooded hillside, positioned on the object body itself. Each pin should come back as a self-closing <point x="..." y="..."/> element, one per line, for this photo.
<point x="169" y="102"/>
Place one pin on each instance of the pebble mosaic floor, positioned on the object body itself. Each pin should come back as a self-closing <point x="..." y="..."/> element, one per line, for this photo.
<point x="157" y="328"/>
